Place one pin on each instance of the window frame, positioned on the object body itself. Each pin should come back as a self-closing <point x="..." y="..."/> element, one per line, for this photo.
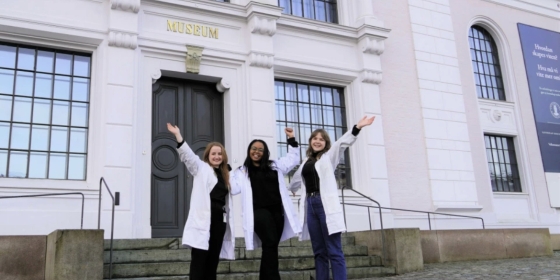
<point x="332" y="17"/>
<point x="510" y="161"/>
<point x="489" y="81"/>
<point x="338" y="127"/>
<point x="52" y="99"/>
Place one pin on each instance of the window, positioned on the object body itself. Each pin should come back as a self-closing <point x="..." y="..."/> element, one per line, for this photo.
<point x="502" y="164"/>
<point x="44" y="108"/>
<point x="306" y="107"/>
<point x="486" y="65"/>
<point x="323" y="10"/>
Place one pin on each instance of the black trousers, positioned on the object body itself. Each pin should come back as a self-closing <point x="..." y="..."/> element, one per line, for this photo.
<point x="269" y="224"/>
<point x="204" y="263"/>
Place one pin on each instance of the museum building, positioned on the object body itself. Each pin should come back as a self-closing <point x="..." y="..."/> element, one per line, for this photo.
<point x="465" y="123"/>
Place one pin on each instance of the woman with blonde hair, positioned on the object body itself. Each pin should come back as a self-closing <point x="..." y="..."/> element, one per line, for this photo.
<point x="209" y="227"/>
<point x="321" y="213"/>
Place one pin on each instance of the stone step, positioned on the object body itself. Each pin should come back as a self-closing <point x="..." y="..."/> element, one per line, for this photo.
<point x="184" y="255"/>
<point x="227" y="267"/>
<point x="174" y="243"/>
<point x="142" y="244"/>
<point x="353" y="273"/>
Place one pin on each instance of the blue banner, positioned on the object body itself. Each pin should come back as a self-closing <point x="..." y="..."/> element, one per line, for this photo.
<point x="540" y="51"/>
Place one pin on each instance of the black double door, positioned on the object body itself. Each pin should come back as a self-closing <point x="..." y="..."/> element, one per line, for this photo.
<point x="197" y="109"/>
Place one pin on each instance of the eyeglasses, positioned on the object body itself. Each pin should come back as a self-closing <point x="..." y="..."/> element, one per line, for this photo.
<point x="253" y="149"/>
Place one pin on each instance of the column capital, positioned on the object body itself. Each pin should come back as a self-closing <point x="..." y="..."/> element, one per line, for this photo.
<point x="126" y="5"/>
<point x="123" y="39"/>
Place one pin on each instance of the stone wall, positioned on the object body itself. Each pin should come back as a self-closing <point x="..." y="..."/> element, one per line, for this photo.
<point x="487" y="244"/>
<point x="22" y="257"/>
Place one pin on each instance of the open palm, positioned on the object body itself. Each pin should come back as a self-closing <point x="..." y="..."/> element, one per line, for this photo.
<point x="173" y="129"/>
<point x="365" y="121"/>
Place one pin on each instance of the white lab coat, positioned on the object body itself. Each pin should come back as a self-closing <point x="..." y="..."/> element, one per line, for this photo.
<point x="197" y="230"/>
<point x="242" y="184"/>
<point x="325" y="167"/>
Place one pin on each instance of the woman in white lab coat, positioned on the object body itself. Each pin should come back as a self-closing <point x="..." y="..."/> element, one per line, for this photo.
<point x="268" y="212"/>
<point x="209" y="227"/>
<point x="320" y="212"/>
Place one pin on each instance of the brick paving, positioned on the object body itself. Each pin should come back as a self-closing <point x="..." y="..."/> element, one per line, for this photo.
<point x="542" y="268"/>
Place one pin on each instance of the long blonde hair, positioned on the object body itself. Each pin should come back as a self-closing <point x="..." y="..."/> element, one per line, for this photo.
<point x="325" y="135"/>
<point x="224" y="165"/>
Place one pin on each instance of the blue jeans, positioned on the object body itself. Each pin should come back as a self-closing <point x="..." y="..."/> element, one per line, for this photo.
<point x="325" y="247"/>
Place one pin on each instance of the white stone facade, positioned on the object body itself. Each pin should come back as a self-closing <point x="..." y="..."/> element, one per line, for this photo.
<point x="406" y="62"/>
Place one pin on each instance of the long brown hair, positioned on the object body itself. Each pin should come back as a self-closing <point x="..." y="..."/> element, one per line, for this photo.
<point x="325" y="135"/>
<point x="224" y="165"/>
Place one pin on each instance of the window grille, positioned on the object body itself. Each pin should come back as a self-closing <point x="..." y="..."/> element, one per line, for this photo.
<point x="502" y="164"/>
<point x="306" y="107"/>
<point x="486" y="65"/>
<point x="44" y="111"/>
<point x="323" y="10"/>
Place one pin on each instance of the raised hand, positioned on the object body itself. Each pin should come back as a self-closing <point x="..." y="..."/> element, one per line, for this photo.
<point x="365" y="121"/>
<point x="176" y="131"/>
<point x="289" y="132"/>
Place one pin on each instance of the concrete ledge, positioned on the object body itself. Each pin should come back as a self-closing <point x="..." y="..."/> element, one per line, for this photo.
<point x="74" y="254"/>
<point x="463" y="245"/>
<point x="403" y="250"/>
<point x="555" y="240"/>
<point x="22" y="257"/>
<point x="430" y="247"/>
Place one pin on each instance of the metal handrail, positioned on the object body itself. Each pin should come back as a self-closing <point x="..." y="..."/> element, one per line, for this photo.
<point x="52" y="194"/>
<point x="101" y="182"/>
<point x="415" y="211"/>
<point x="384" y="252"/>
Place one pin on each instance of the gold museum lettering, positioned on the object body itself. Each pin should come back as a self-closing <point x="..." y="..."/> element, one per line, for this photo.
<point x="193" y="29"/>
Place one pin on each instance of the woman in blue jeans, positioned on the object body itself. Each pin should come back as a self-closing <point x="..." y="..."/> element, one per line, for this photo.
<point x="321" y="213"/>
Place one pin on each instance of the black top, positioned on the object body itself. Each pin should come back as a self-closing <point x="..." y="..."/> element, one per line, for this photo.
<point x="219" y="192"/>
<point x="266" y="189"/>
<point x="292" y="142"/>
<point x="265" y="185"/>
<point x="309" y="174"/>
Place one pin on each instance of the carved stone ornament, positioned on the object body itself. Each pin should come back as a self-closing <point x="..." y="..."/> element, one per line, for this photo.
<point x="155" y="75"/>
<point x="194" y="57"/>
<point x="263" y="26"/>
<point x="261" y="60"/>
<point x="123" y="40"/>
<point x="372" y="77"/>
<point x="372" y="46"/>
<point x="126" y="5"/>
<point x="496" y="115"/>
<point x="223" y="85"/>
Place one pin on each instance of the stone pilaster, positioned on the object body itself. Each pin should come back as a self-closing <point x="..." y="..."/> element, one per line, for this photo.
<point x="260" y="61"/>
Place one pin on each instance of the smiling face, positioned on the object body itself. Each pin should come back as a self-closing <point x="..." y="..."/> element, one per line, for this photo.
<point x="317" y="143"/>
<point x="256" y="152"/>
<point x="215" y="157"/>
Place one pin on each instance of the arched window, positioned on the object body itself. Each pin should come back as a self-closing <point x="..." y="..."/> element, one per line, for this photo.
<point x="486" y="64"/>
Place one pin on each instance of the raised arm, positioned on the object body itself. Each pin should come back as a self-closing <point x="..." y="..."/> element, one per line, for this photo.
<point x="347" y="140"/>
<point x="187" y="156"/>
<point x="289" y="161"/>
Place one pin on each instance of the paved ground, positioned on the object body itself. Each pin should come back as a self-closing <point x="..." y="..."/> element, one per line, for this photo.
<point x="530" y="268"/>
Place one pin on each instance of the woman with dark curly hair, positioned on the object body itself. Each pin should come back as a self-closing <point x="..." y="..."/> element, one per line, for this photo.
<point x="268" y="213"/>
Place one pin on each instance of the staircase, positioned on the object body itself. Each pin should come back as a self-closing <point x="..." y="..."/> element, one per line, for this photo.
<point x="163" y="258"/>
